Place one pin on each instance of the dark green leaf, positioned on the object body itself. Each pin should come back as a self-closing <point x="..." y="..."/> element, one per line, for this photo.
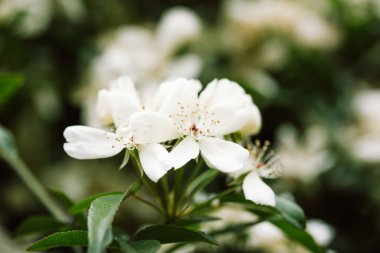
<point x="298" y="235"/>
<point x="61" y="197"/>
<point x="60" y="239"/>
<point x="38" y="224"/>
<point x="8" y="85"/>
<point x="146" y="246"/>
<point x="172" y="233"/>
<point x="188" y="221"/>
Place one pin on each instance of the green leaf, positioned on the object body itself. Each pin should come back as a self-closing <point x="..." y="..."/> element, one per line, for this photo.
<point x="125" y="247"/>
<point x="38" y="224"/>
<point x="146" y="246"/>
<point x="291" y="212"/>
<point x="85" y="203"/>
<point x="171" y="234"/>
<point x="100" y="217"/>
<point x="284" y="208"/>
<point x="61" y="197"/>
<point x="298" y="235"/>
<point x="9" y="83"/>
<point x="192" y="220"/>
<point x="7" y="144"/>
<point x="60" y="239"/>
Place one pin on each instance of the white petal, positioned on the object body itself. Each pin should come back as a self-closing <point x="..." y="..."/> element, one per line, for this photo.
<point x="185" y="151"/>
<point x="228" y="105"/>
<point x="152" y="127"/>
<point x="178" y="98"/>
<point x="117" y="104"/>
<point x="253" y="124"/>
<point x="155" y="160"/>
<point x="223" y="155"/>
<point x="90" y="143"/>
<point x="257" y="191"/>
<point x="123" y="105"/>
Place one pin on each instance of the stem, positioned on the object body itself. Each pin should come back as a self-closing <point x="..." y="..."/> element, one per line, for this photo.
<point x="37" y="188"/>
<point x="147" y="202"/>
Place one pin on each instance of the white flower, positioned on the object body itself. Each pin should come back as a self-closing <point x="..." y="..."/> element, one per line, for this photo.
<point x="120" y="105"/>
<point x="364" y="136"/>
<point x="261" y="163"/>
<point x="304" y="157"/>
<point x="221" y="109"/>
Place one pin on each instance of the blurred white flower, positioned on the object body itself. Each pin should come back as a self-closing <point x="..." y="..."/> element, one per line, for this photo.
<point x="250" y="21"/>
<point x="222" y="108"/>
<point x="32" y="17"/>
<point x="147" y="56"/>
<point x="303" y="157"/>
<point x="122" y="104"/>
<point x="262" y="163"/>
<point x="365" y="135"/>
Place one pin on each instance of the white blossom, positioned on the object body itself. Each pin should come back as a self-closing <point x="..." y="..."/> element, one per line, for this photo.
<point x="221" y="108"/>
<point x="262" y="163"/>
<point x="304" y="156"/>
<point x="120" y="105"/>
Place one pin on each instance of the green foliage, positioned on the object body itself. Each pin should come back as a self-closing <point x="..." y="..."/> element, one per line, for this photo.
<point x="60" y="239"/>
<point x="38" y="224"/>
<point x="299" y="235"/>
<point x="144" y="246"/>
<point x="100" y="217"/>
<point x="9" y="84"/>
<point x="85" y="203"/>
<point x="291" y="212"/>
<point x="172" y="233"/>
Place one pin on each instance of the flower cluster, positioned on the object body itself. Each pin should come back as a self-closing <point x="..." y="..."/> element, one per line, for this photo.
<point x="178" y="124"/>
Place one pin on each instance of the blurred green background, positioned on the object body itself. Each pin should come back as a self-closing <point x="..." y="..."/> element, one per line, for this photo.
<point x="312" y="67"/>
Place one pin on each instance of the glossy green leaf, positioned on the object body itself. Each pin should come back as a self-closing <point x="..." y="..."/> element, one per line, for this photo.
<point x="60" y="239"/>
<point x="9" y="84"/>
<point x="38" y="224"/>
<point x="171" y="234"/>
<point x="100" y="216"/>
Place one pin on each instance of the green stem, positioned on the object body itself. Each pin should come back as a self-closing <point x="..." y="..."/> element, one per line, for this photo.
<point x="147" y="202"/>
<point x="37" y="188"/>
